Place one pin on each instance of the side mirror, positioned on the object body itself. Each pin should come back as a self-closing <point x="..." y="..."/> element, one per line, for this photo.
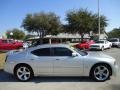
<point x="74" y="54"/>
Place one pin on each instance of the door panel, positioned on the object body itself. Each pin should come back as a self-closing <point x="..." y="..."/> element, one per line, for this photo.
<point x="65" y="64"/>
<point x="68" y="66"/>
<point x="42" y="61"/>
<point x="43" y="65"/>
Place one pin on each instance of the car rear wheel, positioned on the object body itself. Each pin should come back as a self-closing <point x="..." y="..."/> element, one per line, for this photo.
<point x="23" y="73"/>
<point x="101" y="73"/>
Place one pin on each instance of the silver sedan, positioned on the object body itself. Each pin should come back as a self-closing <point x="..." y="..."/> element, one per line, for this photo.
<point x="59" y="60"/>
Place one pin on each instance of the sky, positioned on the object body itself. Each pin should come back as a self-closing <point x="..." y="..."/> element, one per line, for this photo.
<point x="12" y="12"/>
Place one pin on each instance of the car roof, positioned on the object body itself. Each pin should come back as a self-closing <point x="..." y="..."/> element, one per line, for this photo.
<point x="53" y="45"/>
<point x="48" y="46"/>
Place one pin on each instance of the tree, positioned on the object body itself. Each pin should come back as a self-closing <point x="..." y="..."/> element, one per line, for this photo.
<point x="28" y="36"/>
<point x="15" y="34"/>
<point x="103" y="23"/>
<point x="115" y="33"/>
<point x="42" y="24"/>
<point x="82" y="21"/>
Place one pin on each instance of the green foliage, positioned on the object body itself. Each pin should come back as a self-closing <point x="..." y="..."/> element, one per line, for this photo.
<point x="82" y="21"/>
<point x="17" y="34"/>
<point x="28" y="36"/>
<point x="103" y="23"/>
<point x="46" y="23"/>
<point x="115" y="33"/>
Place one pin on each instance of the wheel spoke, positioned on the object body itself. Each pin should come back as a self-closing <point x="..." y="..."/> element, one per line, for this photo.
<point x="100" y="77"/>
<point x="27" y="73"/>
<point x="19" y="70"/>
<point x="98" y="68"/>
<point x="25" y="77"/>
<point x="24" y="69"/>
<point x="20" y="76"/>
<point x="104" y="74"/>
<point x="97" y="73"/>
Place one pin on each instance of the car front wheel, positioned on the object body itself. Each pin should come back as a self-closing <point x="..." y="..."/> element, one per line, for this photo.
<point x="23" y="73"/>
<point x="102" y="48"/>
<point x="101" y="73"/>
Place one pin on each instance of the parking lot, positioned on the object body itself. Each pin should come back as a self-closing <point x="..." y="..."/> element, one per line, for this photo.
<point x="8" y="82"/>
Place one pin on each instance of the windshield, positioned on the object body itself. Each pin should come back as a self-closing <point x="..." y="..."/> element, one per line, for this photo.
<point x="100" y="42"/>
<point x="83" y="53"/>
<point x="113" y="40"/>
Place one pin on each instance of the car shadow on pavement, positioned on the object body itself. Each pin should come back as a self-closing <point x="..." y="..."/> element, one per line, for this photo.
<point x="5" y="77"/>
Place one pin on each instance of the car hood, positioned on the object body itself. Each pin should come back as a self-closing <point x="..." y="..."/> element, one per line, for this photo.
<point x="99" y="55"/>
<point x="97" y="44"/>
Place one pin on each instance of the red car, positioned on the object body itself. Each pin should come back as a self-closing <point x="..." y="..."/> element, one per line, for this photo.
<point x="7" y="44"/>
<point x="84" y="44"/>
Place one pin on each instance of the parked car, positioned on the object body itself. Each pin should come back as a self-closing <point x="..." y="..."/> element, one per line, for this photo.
<point x="8" y="44"/>
<point x="115" y="42"/>
<point x="84" y="44"/>
<point x="59" y="60"/>
<point x="101" y="45"/>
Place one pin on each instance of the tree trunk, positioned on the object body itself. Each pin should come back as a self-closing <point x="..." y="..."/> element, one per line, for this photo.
<point x="82" y="35"/>
<point x="40" y="38"/>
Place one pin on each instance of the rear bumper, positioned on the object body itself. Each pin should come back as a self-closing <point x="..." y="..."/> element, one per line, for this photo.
<point x="9" y="67"/>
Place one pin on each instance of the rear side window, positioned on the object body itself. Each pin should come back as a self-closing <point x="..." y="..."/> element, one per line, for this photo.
<point x="61" y="51"/>
<point x="42" y="52"/>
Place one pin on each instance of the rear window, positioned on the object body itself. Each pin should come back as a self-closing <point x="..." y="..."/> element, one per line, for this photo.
<point x="42" y="52"/>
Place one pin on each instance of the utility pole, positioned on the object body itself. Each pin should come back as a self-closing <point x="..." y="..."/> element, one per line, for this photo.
<point x="99" y="19"/>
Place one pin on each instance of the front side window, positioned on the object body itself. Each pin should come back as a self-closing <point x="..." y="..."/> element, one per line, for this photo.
<point x="42" y="52"/>
<point x="61" y="51"/>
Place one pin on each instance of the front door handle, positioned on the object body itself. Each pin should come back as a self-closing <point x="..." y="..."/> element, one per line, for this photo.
<point x="57" y="59"/>
<point x="31" y="59"/>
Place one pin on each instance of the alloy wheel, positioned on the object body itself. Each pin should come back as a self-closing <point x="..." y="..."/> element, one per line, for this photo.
<point x="23" y="73"/>
<point x="101" y="73"/>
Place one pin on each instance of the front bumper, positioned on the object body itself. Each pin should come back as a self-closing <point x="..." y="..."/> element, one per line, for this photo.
<point x="115" y="70"/>
<point x="115" y="44"/>
<point x="98" y="48"/>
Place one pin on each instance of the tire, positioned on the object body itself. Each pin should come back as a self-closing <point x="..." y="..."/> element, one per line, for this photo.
<point x="100" y="72"/>
<point x="118" y="46"/>
<point x="110" y="47"/>
<point x="23" y="73"/>
<point x="102" y="48"/>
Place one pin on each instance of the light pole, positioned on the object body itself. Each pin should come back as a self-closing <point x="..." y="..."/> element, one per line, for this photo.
<point x="98" y="19"/>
